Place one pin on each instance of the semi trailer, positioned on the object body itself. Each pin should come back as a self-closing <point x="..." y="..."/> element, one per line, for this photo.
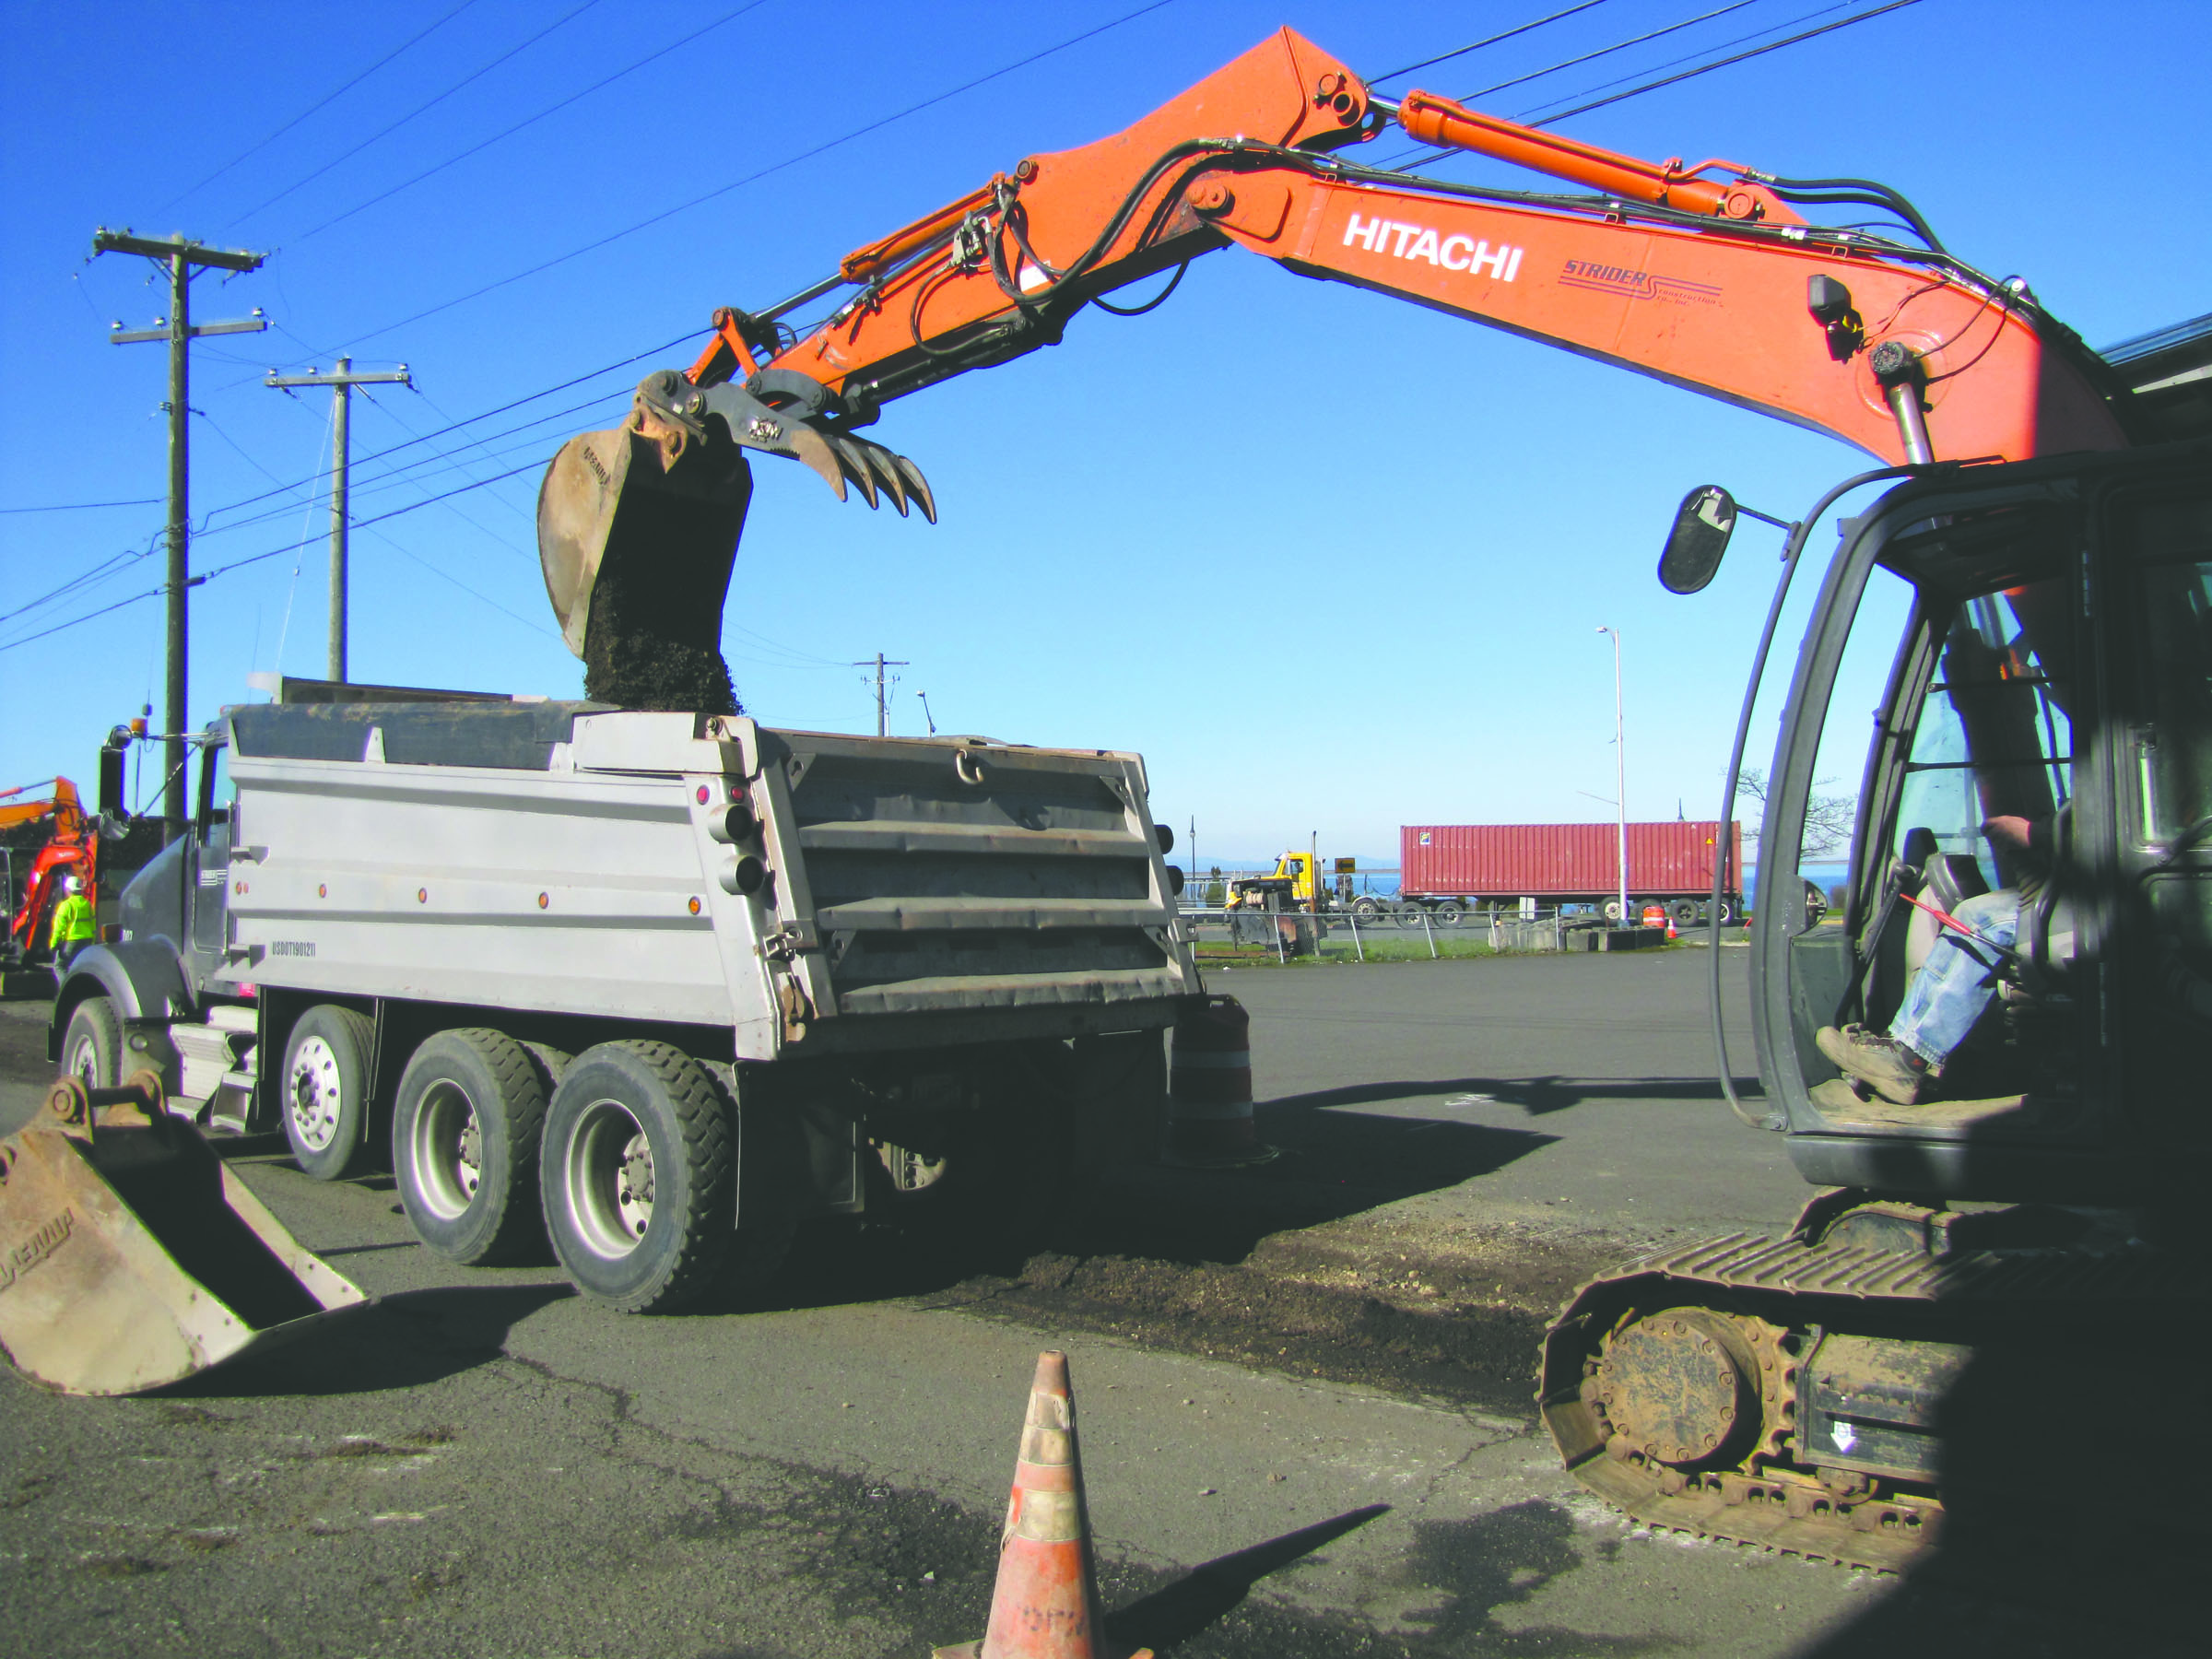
<point x="1448" y="869"/>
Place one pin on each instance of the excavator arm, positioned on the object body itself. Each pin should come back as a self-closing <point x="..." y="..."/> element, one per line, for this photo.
<point x="1706" y="276"/>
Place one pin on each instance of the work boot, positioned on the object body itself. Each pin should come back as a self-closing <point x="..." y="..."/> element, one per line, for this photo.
<point x="1883" y="1063"/>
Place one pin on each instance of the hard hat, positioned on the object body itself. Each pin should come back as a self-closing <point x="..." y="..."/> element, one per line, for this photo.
<point x="70" y="884"/>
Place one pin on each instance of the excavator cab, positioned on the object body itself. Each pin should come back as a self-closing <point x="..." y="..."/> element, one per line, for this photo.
<point x="2035" y="643"/>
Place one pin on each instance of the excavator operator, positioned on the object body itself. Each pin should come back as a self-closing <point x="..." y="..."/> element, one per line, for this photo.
<point x="1949" y="993"/>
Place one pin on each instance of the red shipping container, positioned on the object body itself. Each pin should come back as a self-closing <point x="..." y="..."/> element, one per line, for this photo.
<point x="1555" y="862"/>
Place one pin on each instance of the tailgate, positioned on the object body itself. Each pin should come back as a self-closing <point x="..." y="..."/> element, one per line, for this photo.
<point x="945" y="875"/>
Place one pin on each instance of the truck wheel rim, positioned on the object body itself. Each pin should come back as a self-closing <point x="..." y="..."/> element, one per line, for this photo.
<point x="83" y="1061"/>
<point x="448" y="1150"/>
<point x="610" y="1179"/>
<point x="312" y="1096"/>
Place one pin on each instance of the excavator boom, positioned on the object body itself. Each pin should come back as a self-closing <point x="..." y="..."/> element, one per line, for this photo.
<point x="1714" y="283"/>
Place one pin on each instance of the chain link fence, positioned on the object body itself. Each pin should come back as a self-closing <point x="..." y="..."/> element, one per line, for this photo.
<point x="1380" y="932"/>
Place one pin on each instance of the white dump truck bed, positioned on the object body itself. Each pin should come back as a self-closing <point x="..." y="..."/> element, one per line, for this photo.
<point x="801" y="888"/>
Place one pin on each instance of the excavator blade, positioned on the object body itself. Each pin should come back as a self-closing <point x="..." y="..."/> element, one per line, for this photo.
<point x="645" y="493"/>
<point x="131" y="1257"/>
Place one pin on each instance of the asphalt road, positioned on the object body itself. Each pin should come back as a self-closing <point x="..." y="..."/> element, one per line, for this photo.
<point x="483" y="1463"/>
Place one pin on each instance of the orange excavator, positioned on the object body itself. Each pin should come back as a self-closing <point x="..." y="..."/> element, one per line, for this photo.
<point x="2016" y="1233"/>
<point x="71" y="849"/>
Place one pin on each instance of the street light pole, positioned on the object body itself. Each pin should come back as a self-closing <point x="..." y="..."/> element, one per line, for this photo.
<point x="1621" y="777"/>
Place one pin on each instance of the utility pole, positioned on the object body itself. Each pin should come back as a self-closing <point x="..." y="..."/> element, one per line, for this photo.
<point x="883" y="708"/>
<point x="182" y="259"/>
<point x="341" y="382"/>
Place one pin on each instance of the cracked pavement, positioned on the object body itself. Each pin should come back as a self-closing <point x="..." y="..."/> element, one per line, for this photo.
<point x="1302" y="1394"/>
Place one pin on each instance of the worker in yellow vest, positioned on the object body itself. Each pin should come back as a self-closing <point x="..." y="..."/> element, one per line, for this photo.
<point x="74" y="927"/>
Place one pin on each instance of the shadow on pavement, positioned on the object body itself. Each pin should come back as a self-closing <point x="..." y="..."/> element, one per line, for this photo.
<point x="1179" y="1612"/>
<point x="1503" y="1559"/>
<point x="403" y="1341"/>
<point x="1534" y="1095"/>
<point x="2066" y="1530"/>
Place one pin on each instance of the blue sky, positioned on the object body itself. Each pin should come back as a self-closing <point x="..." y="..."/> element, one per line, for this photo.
<point x="1332" y="563"/>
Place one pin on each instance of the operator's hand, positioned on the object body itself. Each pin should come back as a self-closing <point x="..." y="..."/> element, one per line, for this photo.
<point x="2015" y="832"/>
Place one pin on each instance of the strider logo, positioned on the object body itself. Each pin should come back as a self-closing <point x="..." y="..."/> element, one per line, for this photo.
<point x="1636" y="285"/>
<point x="1455" y="253"/>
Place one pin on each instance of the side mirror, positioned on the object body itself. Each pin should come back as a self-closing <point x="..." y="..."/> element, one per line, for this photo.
<point x="112" y="804"/>
<point x="1702" y="526"/>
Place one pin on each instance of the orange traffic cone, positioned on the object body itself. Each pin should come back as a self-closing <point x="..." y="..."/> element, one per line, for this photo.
<point x="1045" y="1604"/>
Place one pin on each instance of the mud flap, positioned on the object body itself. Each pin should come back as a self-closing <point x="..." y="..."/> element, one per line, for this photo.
<point x="130" y="1257"/>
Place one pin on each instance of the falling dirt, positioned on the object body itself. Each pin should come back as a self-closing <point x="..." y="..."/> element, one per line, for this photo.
<point x="653" y="636"/>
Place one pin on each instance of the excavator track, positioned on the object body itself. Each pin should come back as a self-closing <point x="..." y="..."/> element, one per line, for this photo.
<point x="1788" y="1394"/>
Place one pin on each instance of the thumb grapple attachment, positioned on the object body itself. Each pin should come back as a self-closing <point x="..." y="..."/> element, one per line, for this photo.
<point x="798" y="433"/>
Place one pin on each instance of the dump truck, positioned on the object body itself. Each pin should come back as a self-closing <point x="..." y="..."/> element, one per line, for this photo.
<point x="656" y="985"/>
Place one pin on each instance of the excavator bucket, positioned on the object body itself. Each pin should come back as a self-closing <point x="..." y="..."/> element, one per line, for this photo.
<point x="645" y="497"/>
<point x="131" y="1257"/>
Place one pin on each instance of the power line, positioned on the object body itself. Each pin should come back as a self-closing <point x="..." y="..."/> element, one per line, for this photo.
<point x="527" y="121"/>
<point x="87" y="506"/>
<point x="646" y="224"/>
<point x="261" y="144"/>
<point x="1739" y="57"/>
<point x="252" y="558"/>
<point x="1734" y="5"/>
<point x="87" y="616"/>
<point x="667" y="346"/>
<point x="1422" y="155"/>
<point x="106" y="566"/>
<point x="1445" y="57"/>
<point x="419" y="109"/>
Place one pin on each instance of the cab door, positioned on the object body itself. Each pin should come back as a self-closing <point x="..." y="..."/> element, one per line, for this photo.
<point x="2156" y="535"/>
<point x="1963" y="615"/>
<point x="207" y="860"/>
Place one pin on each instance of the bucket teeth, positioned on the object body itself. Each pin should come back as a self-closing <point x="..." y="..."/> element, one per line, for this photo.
<point x="856" y="461"/>
<point x="917" y="487"/>
<point x="804" y="443"/>
<point x="887" y="476"/>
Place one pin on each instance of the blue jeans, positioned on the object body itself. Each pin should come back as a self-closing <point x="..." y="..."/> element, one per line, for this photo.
<point x="1958" y="980"/>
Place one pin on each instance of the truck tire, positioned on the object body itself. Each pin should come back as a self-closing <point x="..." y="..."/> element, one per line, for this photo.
<point x="1684" y="912"/>
<point x="324" y="1083"/>
<point x="1409" y="915"/>
<point x="638" y="1170"/>
<point x="92" y="1044"/>
<point x="1450" y="913"/>
<point x="464" y="1141"/>
<point x="993" y="1183"/>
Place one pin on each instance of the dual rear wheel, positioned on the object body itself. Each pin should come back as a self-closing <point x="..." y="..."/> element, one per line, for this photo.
<point x="627" y="1165"/>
